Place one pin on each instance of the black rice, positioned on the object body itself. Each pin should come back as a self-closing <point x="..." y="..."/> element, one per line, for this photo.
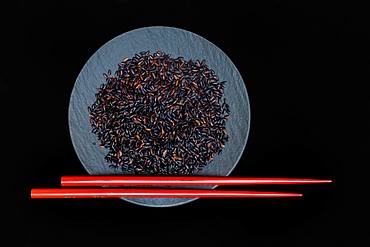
<point x="160" y="115"/>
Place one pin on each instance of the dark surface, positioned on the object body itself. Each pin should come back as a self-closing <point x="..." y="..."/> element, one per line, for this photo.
<point x="307" y="67"/>
<point x="176" y="42"/>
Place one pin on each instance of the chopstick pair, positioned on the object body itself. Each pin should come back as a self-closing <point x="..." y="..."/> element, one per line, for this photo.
<point x="94" y="181"/>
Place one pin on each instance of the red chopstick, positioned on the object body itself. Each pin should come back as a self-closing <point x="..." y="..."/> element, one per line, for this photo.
<point x="154" y="193"/>
<point x="180" y="181"/>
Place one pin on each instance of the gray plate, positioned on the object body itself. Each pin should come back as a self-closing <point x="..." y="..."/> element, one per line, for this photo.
<point x="176" y="42"/>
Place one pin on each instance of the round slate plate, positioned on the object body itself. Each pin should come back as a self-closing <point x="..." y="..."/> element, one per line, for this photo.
<point x="176" y="42"/>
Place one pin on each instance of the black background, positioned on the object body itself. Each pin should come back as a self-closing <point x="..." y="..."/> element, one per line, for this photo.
<point x="304" y="66"/>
